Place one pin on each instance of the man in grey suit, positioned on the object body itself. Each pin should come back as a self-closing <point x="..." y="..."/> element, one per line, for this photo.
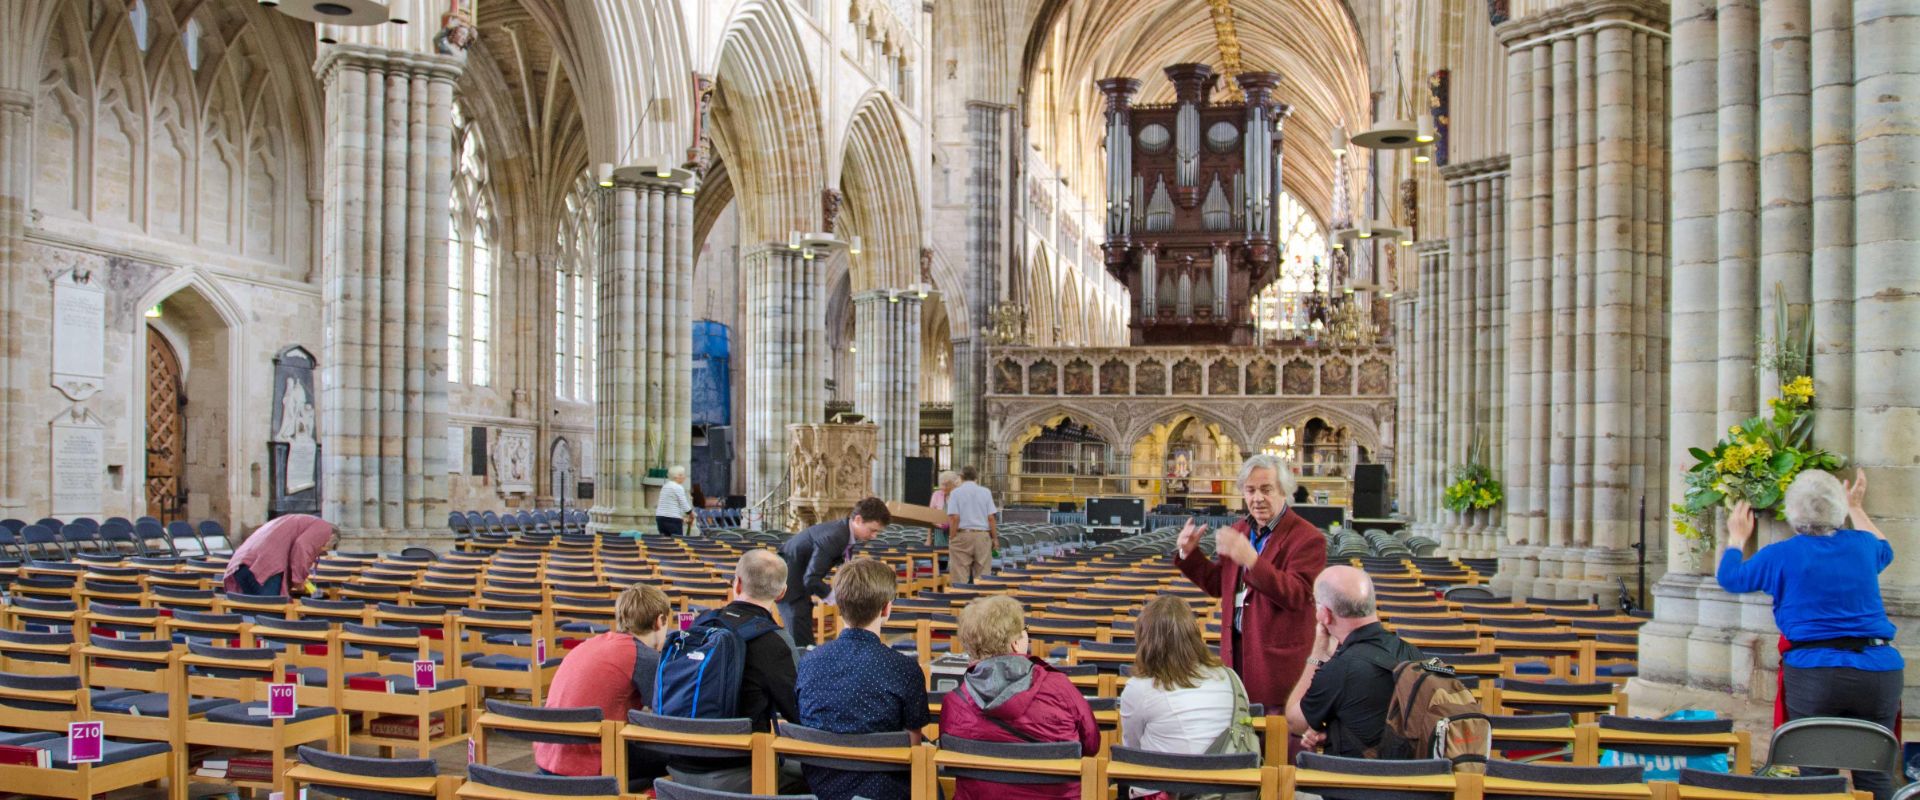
<point x="814" y="552"/>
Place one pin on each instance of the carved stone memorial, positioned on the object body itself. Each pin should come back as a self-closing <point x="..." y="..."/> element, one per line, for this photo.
<point x="79" y="335"/>
<point x="294" y="444"/>
<point x="830" y="467"/>
<point x="78" y="463"/>
<point x="512" y="461"/>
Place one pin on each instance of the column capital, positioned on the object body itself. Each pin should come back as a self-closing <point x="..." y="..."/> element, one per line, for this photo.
<point x="16" y="100"/>
<point x="1569" y="19"/>
<point x="433" y="66"/>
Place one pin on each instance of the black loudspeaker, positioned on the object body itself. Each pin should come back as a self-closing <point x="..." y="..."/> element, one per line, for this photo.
<point x="917" y="486"/>
<point x="1369" y="478"/>
<point x="1369" y="505"/>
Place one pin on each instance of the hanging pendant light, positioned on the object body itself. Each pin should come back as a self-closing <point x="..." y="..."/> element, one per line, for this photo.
<point x="1337" y="141"/>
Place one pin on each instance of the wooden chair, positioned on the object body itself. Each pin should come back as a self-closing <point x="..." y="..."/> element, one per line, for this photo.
<point x="678" y="737"/>
<point x="124" y="622"/>
<point x="1583" y="700"/>
<point x="492" y="783"/>
<point x="46" y="704"/>
<point x="155" y="711"/>
<point x="175" y="598"/>
<point x="1424" y="779"/>
<point x="583" y="726"/>
<point x="496" y="651"/>
<point x="1700" y="785"/>
<point x="1539" y="736"/>
<point x="336" y="612"/>
<point x="665" y="789"/>
<point x="892" y="752"/>
<point x="227" y="630"/>
<point x="382" y="651"/>
<point x="1509" y="779"/>
<point x="1658" y="737"/>
<point x="242" y="674"/>
<point x="1021" y="762"/>
<point x="38" y="652"/>
<point x="1126" y="768"/>
<point x="359" y="776"/>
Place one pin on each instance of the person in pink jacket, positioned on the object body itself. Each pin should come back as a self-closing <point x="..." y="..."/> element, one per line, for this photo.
<point x="278" y="555"/>
<point x="1009" y="696"/>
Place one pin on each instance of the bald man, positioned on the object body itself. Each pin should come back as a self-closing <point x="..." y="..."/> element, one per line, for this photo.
<point x="1341" y="699"/>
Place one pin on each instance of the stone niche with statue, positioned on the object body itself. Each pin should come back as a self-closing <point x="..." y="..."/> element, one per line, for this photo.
<point x="830" y="466"/>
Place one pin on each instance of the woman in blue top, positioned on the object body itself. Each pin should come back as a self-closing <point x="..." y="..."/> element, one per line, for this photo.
<point x="1826" y="600"/>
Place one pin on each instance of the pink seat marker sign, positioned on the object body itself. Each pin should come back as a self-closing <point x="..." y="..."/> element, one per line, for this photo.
<point x="424" y="676"/>
<point x="280" y="703"/>
<point x="85" y="742"/>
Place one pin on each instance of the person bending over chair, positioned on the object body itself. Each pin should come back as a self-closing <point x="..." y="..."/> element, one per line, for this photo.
<point x="277" y="556"/>
<point x="613" y="671"/>
<point x="857" y="684"/>
<point x="766" y="684"/>
<point x="1342" y="696"/>
<point x="1010" y="696"/>
<point x="814" y="552"/>
<point x="1825" y="583"/>
<point x="1180" y="699"/>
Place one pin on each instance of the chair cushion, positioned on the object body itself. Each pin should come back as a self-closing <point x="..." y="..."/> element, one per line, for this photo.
<point x="95" y="696"/>
<point x="438" y="658"/>
<point x="509" y="662"/>
<point x="585" y="627"/>
<point x="22" y="737"/>
<point x="111" y="752"/>
<point x="154" y="704"/>
<point x="308" y="676"/>
<point x="511" y="639"/>
<point x="243" y="714"/>
<point x="404" y="683"/>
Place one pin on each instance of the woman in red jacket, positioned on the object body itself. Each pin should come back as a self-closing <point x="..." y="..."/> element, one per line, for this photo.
<point x="1009" y="696"/>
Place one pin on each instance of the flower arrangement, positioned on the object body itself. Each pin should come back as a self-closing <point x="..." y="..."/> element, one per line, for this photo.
<point x="1759" y="457"/>
<point x="1473" y="488"/>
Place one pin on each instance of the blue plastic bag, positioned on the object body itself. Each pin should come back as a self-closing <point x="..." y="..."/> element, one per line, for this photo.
<point x="1667" y="768"/>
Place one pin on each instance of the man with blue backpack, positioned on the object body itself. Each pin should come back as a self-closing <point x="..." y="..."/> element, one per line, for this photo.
<point x="733" y="662"/>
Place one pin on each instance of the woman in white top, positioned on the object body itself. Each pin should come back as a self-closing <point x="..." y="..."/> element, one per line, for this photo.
<point x="1180" y="698"/>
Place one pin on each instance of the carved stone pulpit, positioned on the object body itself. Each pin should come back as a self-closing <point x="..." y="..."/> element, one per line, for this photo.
<point x="830" y="467"/>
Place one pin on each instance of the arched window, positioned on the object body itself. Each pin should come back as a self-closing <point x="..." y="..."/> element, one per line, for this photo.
<point x="1304" y="271"/>
<point x="576" y="294"/>
<point x="470" y="247"/>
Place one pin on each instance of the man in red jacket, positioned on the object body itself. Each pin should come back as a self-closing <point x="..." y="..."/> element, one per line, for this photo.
<point x="1264" y="577"/>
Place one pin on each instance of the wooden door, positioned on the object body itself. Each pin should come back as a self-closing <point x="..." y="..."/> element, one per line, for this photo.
<point x="166" y="431"/>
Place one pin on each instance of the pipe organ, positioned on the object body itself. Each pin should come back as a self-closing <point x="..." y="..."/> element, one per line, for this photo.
<point x="1191" y="190"/>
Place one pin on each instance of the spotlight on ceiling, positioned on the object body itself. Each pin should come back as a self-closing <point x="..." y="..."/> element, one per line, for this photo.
<point x="1423" y="133"/>
<point x="1389" y="135"/>
<point x="336" y="12"/>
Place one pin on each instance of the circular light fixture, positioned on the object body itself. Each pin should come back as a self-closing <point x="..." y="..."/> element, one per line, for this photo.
<point x="1423" y="133"/>
<point x="1389" y="135"/>
<point x="603" y="175"/>
<point x="336" y="12"/>
<point x="652" y="174"/>
<point x="1421" y="158"/>
<point x="1337" y="141"/>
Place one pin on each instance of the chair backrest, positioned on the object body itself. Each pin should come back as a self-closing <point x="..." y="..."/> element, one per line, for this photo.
<point x="1835" y="743"/>
<point x="544" y="785"/>
<point x="846" y="741"/>
<point x="1175" y="761"/>
<point x="733" y="726"/>
<point x="1724" y="784"/>
<point x="1014" y="751"/>
<point x="1384" y="771"/>
<point x="1470" y="593"/>
<point x="666" y="789"/>
<point x="369" y="767"/>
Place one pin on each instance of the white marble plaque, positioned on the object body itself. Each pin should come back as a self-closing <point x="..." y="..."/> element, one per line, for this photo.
<point x="78" y="465"/>
<point x="512" y="459"/>
<point x="79" y="335"/>
<point x="301" y="453"/>
<point x="456" y="448"/>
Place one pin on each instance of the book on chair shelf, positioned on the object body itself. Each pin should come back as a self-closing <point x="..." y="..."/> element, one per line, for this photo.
<point x="370" y="683"/>
<point x="14" y="755"/>
<point x="398" y="727"/>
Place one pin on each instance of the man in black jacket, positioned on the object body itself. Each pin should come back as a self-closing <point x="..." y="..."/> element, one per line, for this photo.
<point x="1341" y="700"/>
<point x="814" y="552"/>
<point x="767" y="680"/>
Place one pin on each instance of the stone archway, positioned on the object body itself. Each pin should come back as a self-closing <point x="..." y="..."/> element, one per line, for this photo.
<point x="198" y="442"/>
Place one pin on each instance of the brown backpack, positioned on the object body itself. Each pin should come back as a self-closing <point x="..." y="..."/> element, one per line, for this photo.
<point x="1433" y="715"/>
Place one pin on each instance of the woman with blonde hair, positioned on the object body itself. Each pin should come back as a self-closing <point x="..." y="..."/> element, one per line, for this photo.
<point x="1010" y="696"/>
<point x="1180" y="699"/>
<point x="937" y="535"/>
<point x="1825" y="583"/>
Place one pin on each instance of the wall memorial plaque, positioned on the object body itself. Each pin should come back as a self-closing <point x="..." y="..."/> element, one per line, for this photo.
<point x="79" y="335"/>
<point x="78" y="463"/>
<point x="294" y="444"/>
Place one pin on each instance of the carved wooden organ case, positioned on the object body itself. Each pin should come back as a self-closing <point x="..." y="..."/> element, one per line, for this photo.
<point x="1192" y="206"/>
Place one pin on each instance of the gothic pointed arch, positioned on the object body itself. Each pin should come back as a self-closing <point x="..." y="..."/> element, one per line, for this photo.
<point x="882" y="197"/>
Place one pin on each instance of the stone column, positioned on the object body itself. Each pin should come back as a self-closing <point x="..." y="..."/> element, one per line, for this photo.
<point x="1586" y="253"/>
<point x="887" y="381"/>
<point x="643" y="388"/>
<point x="1793" y="166"/>
<point x="786" y="380"/>
<point x="1476" y="351"/>
<point x="16" y="175"/>
<point x="389" y="171"/>
<point x="986" y="259"/>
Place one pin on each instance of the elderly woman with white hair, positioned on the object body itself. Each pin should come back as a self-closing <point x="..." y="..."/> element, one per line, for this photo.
<point x="674" y="509"/>
<point x="1825" y="583"/>
<point x="1264" y="577"/>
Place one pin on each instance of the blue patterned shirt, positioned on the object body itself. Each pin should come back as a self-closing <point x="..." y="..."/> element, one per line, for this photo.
<point x="857" y="684"/>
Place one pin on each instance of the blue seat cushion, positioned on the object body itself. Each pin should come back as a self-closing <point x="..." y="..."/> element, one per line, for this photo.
<point x="404" y="683"/>
<point x="154" y="704"/>
<point x="438" y="658"/>
<point x="585" y="627"/>
<point x="511" y="639"/>
<point x="308" y="676"/>
<point x="95" y="696"/>
<point x="243" y="714"/>
<point x="22" y="737"/>
<point x="1532" y="668"/>
<point x="508" y="662"/>
<point x="111" y="752"/>
<point x="1617" y="670"/>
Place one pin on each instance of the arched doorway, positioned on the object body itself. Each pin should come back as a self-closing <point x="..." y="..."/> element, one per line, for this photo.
<point x="166" y="430"/>
<point x="190" y="411"/>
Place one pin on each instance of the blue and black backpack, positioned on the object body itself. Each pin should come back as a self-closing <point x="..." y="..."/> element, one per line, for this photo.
<point x="701" y="667"/>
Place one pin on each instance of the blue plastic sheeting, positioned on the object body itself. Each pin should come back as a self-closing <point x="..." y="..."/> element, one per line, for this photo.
<point x="712" y="378"/>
